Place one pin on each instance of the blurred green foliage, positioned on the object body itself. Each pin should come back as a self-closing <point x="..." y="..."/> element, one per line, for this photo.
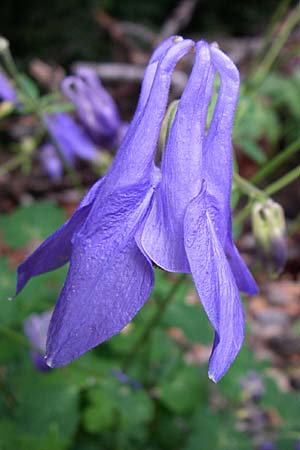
<point x="165" y="400"/>
<point x="66" y="31"/>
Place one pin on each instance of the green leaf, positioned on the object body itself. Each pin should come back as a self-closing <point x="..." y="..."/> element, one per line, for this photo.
<point x="7" y="282"/>
<point x="186" y="391"/>
<point x="47" y="405"/>
<point x="286" y="404"/>
<point x="100" y="414"/>
<point x="251" y="149"/>
<point x="215" y="431"/>
<point x="32" y="222"/>
<point x="190" y="317"/>
<point x="28" y="86"/>
<point x="113" y="403"/>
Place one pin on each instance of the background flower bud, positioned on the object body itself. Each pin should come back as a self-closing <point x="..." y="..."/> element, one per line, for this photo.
<point x="4" y="44"/>
<point x="269" y="229"/>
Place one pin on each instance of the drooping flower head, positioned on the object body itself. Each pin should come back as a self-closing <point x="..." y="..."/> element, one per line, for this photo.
<point x="36" y="328"/>
<point x="70" y="137"/>
<point x="7" y="92"/>
<point x="177" y="216"/>
<point x="95" y="108"/>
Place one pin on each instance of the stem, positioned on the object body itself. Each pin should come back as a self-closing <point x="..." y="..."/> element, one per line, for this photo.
<point x="276" y="162"/>
<point x="269" y="190"/>
<point x="153" y="322"/>
<point x="248" y="188"/>
<point x="244" y="213"/>
<point x="283" y="181"/>
<point x="267" y="62"/>
<point x="12" y="164"/>
<point x="34" y="104"/>
<point x="271" y="29"/>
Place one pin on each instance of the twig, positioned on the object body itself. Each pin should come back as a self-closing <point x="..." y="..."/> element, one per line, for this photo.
<point x="130" y="72"/>
<point x="179" y="18"/>
<point x="139" y="32"/>
<point x="118" y="34"/>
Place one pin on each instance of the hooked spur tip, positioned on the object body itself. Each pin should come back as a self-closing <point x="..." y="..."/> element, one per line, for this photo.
<point x="215" y="44"/>
<point x="49" y="361"/>
<point x="211" y="377"/>
<point x="177" y="39"/>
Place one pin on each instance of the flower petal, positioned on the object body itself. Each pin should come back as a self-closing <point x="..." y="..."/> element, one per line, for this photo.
<point x="134" y="159"/>
<point x="217" y="149"/>
<point x="6" y="90"/>
<point x="244" y="280"/>
<point x="95" y="107"/>
<point x="162" y="237"/>
<point x="215" y="285"/>
<point x="55" y="251"/>
<point x="108" y="280"/>
<point x="71" y="139"/>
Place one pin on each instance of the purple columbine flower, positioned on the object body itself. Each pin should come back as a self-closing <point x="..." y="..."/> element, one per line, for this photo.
<point x="51" y="161"/>
<point x="7" y="93"/>
<point x="95" y="108"/>
<point x="35" y="328"/>
<point x="268" y="445"/>
<point x="179" y="217"/>
<point x="70" y="137"/>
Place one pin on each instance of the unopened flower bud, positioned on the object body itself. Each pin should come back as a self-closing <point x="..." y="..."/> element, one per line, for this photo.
<point x="28" y="145"/>
<point x="4" y="44"/>
<point x="269" y="229"/>
<point x="6" y="108"/>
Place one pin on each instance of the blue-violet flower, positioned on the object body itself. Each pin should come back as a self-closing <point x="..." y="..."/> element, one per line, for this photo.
<point x="95" y="108"/>
<point x="178" y="217"/>
<point x="72" y="140"/>
<point x="7" y="92"/>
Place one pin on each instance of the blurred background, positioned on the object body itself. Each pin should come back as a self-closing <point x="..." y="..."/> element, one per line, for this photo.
<point x="147" y="388"/>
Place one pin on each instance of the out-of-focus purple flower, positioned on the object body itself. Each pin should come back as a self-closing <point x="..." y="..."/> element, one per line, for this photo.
<point x="268" y="446"/>
<point x="95" y="108"/>
<point x="72" y="140"/>
<point x="179" y="217"/>
<point x="7" y="92"/>
<point x="36" y="328"/>
<point x="297" y="445"/>
<point x="252" y="386"/>
<point x="125" y="379"/>
<point x="50" y="161"/>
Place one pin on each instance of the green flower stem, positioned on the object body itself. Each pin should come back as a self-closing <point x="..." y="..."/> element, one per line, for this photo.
<point x="153" y="322"/>
<point x="276" y="162"/>
<point x="248" y="188"/>
<point x="269" y="190"/>
<point x="276" y="18"/>
<point x="13" y="163"/>
<point x="243" y="213"/>
<point x="283" y="181"/>
<point x="262" y="71"/>
<point x="35" y="105"/>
